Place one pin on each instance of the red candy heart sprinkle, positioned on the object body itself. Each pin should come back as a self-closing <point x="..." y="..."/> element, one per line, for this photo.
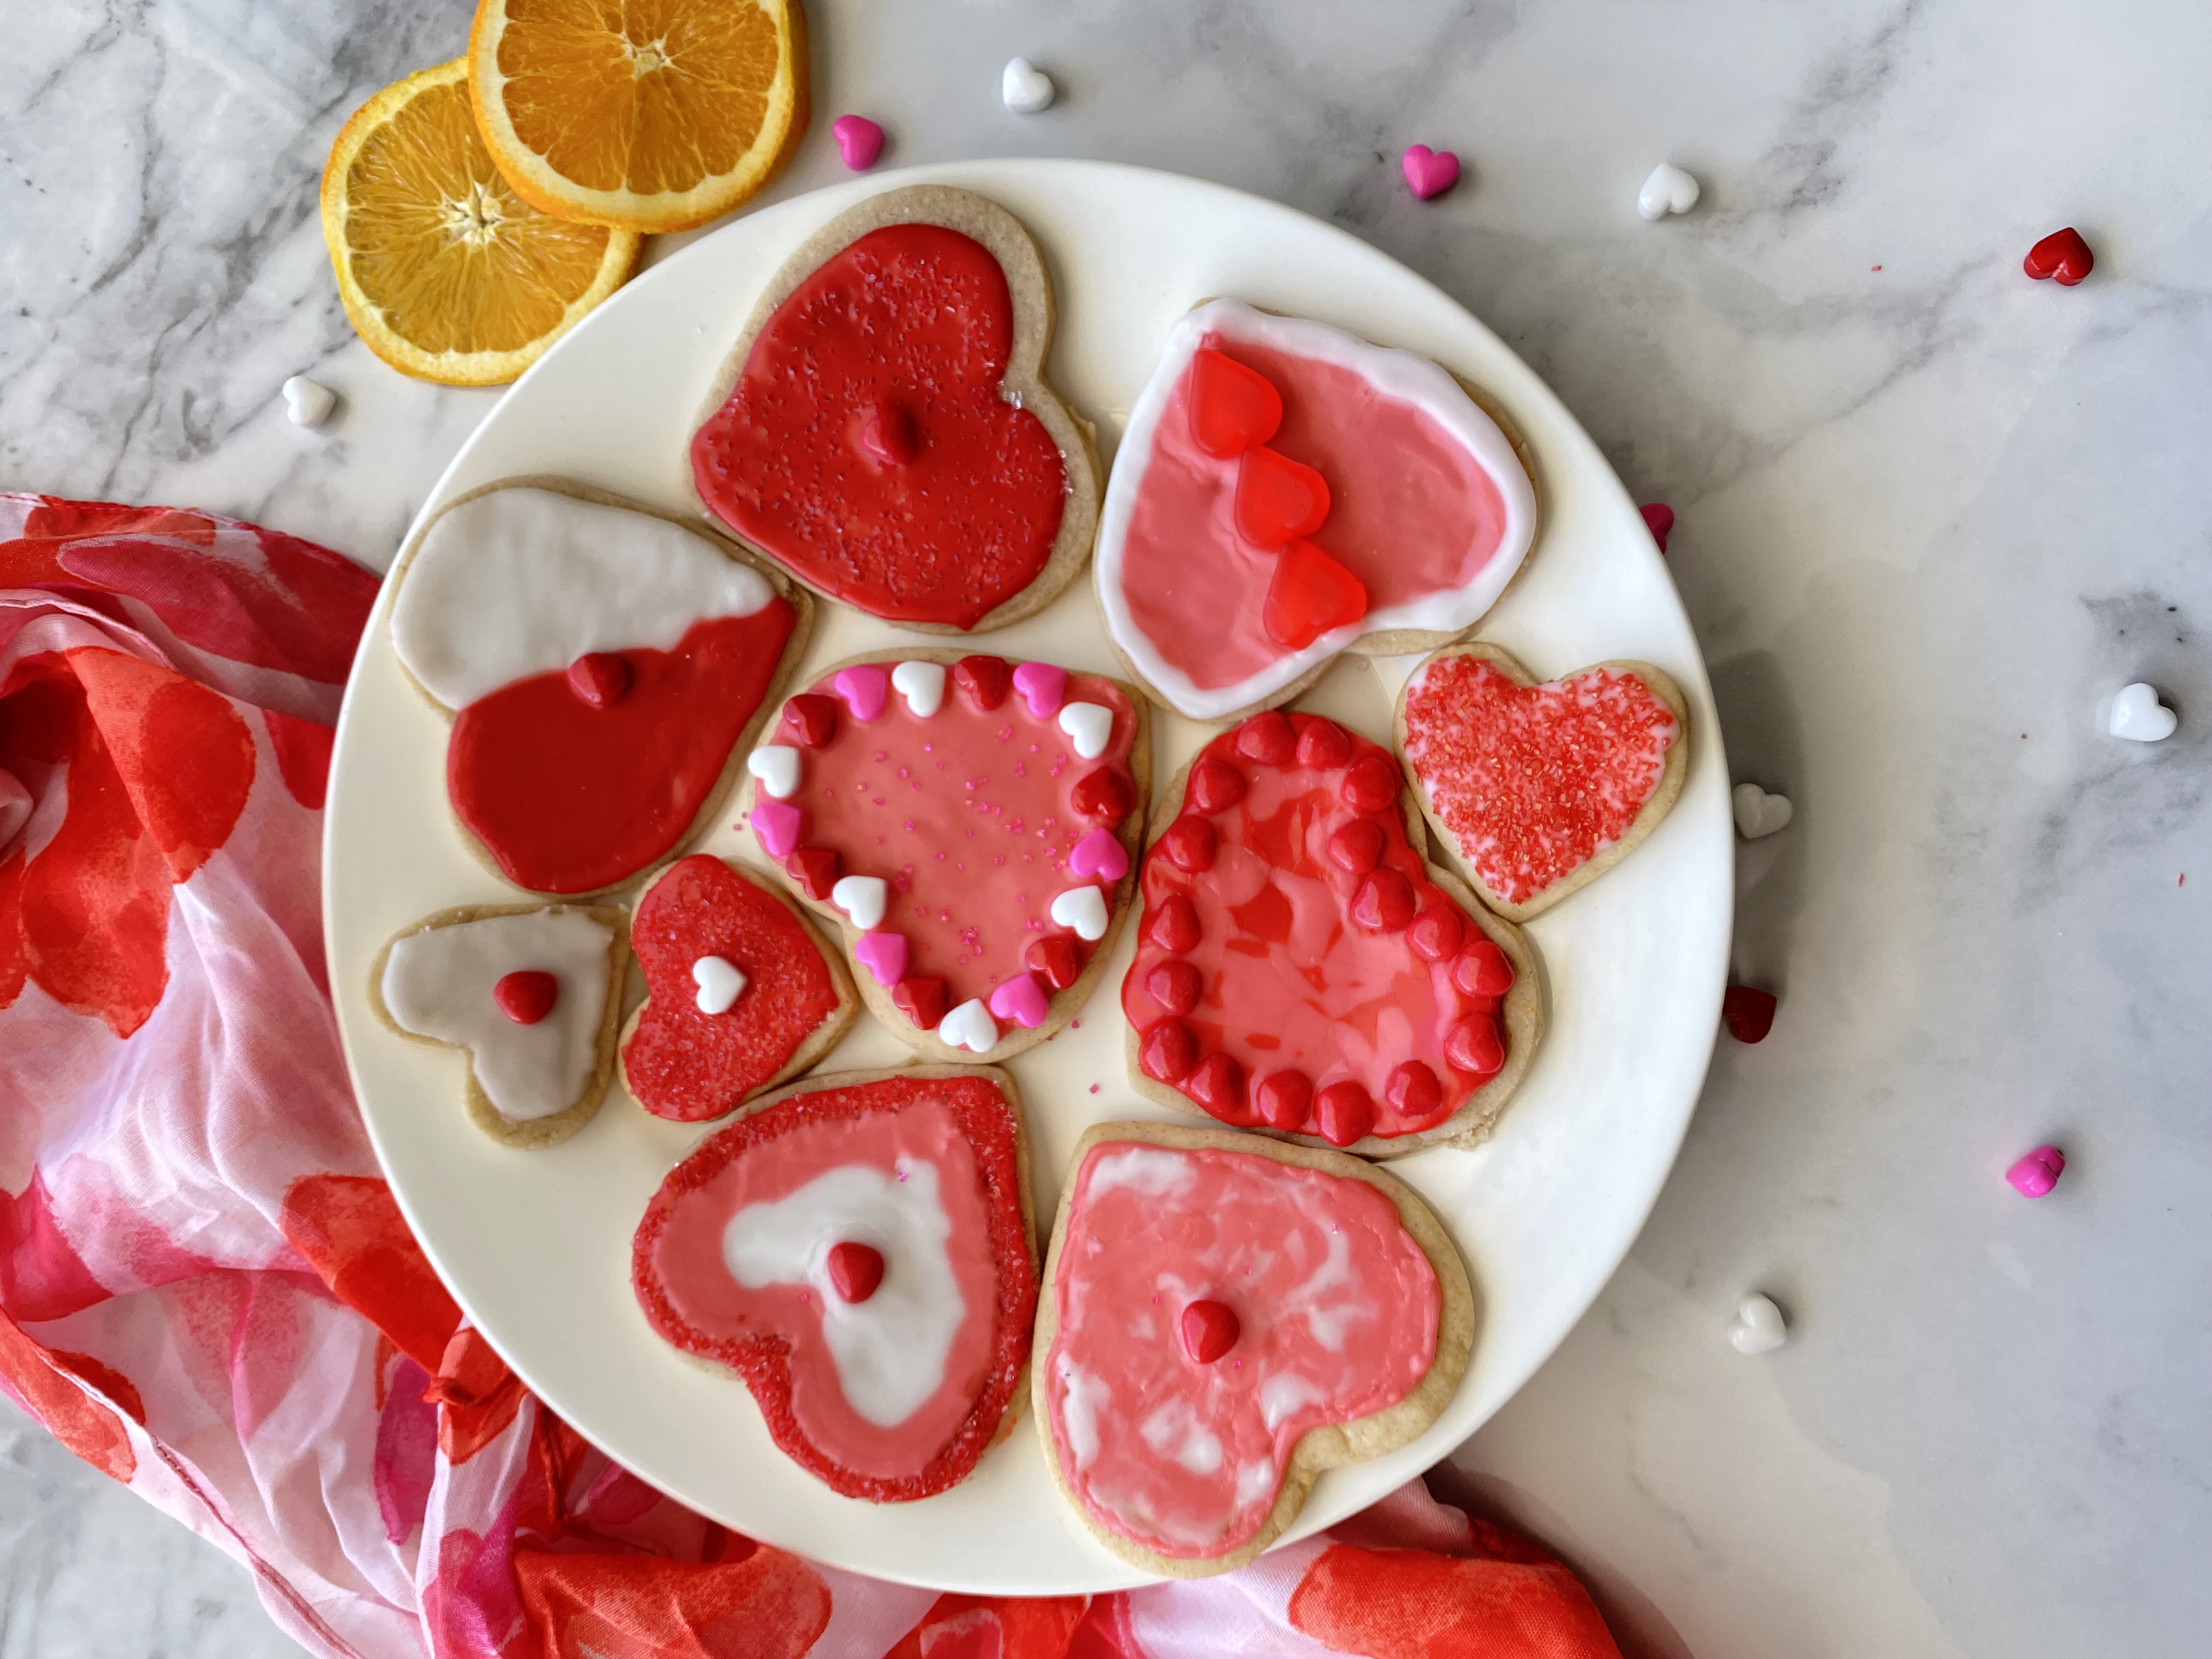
<point x="1175" y="987"/>
<point x="923" y="1000"/>
<point x="1054" y="961"/>
<point x="1323" y="746"/>
<point x="1210" y="1329"/>
<point x="1189" y="843"/>
<point x="1482" y="970"/>
<point x="1232" y="408"/>
<point x="855" y="1269"/>
<point x="526" y="995"/>
<point x="1436" y="932"/>
<point x="1269" y="739"/>
<point x="1659" y="519"/>
<point x="1278" y="499"/>
<point x="1343" y="1113"/>
<point x="984" y="681"/>
<point x="1309" y="594"/>
<point x="1749" y="1012"/>
<point x="1473" y="1046"/>
<point x="600" y="678"/>
<point x="1383" y="902"/>
<point x="1217" y="1083"/>
<point x="1414" y="1090"/>
<point x="809" y="720"/>
<point x="1174" y="925"/>
<point x="1103" y="795"/>
<point x="1284" y="1097"/>
<point x="814" y="869"/>
<point x="1357" y="847"/>
<point x="1215" y="785"/>
<point x="1373" y="783"/>
<point x="1168" y="1051"/>
<point x="2064" y="255"/>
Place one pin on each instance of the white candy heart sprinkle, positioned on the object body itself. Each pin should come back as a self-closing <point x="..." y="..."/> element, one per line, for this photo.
<point x="1758" y="813"/>
<point x="720" y="983"/>
<point x="861" y="897"/>
<point x="1668" y="190"/>
<point x="1083" y="908"/>
<point x="1026" y="89"/>
<point x="969" y="1026"/>
<point x="1087" y="726"/>
<point x="2138" y="716"/>
<point x="776" y="766"/>
<point x="308" y="403"/>
<point x="922" y="685"/>
<point x="1758" y="1327"/>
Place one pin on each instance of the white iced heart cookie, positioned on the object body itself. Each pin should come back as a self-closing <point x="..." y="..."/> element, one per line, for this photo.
<point x="1084" y="909"/>
<point x="720" y="983"/>
<point x="922" y="685"/>
<point x="1025" y="87"/>
<point x="863" y="898"/>
<point x="2138" y="716"/>
<point x="1668" y="190"/>
<point x="776" y="767"/>
<point x="1089" y="726"/>
<point x="969" y="1026"/>
<point x="308" y="403"/>
<point x="1758" y="813"/>
<point x="1758" y="1327"/>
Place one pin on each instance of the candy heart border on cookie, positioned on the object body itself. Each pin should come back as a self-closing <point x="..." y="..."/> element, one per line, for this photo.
<point x="717" y="795"/>
<point x="1060" y="1005"/>
<point x="1674" y="771"/>
<point x="811" y="1049"/>
<point x="1493" y="439"/>
<point x="1030" y="290"/>
<point x="525" y="1133"/>
<point x="1320" y="1449"/>
<point x="1521" y="1015"/>
<point x="760" y="1364"/>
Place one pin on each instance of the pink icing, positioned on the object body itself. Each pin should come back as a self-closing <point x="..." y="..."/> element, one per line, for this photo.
<point x="1336" y="1305"/>
<point x="1412" y="513"/>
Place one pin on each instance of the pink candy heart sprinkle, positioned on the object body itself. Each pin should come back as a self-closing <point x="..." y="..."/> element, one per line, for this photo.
<point x="1100" y="854"/>
<point x="865" y="689"/>
<point x="2036" y="1174"/>
<point x="776" y="824"/>
<point x="1021" y="999"/>
<point x="1430" y="172"/>
<point x="1043" y="687"/>
<point x="860" y="141"/>
<point x="882" y="955"/>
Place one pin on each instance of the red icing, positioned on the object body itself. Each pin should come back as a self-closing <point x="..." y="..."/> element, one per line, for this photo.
<point x="526" y="995"/>
<point x="1295" y="955"/>
<point x="970" y="814"/>
<point x="1232" y="408"/>
<point x="919" y="318"/>
<point x="688" y="1066"/>
<point x="1534" y="782"/>
<point x="1174" y="1430"/>
<point x="567" y="798"/>
<point x="771" y="1334"/>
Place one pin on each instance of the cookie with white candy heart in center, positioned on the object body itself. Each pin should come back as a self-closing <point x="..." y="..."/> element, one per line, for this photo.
<point x="1537" y="787"/>
<point x="605" y="668"/>
<point x="741" y="992"/>
<point x="858" y="1247"/>
<point x="533" y="994"/>
<point x="1222" y="1318"/>
<point x="972" y="824"/>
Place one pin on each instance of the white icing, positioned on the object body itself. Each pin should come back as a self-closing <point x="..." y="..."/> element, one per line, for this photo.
<point x="720" y="983"/>
<point x="1284" y="1392"/>
<point x="1083" y="908"/>
<point x="889" y="1350"/>
<point x="1254" y="1482"/>
<point x="863" y="898"/>
<point x="1395" y="375"/>
<point x="524" y="581"/>
<point x="969" y="1026"/>
<point x="1174" y="1430"/>
<point x="1083" y="1397"/>
<point x="1149" y="1171"/>
<point x="1330" y="1320"/>
<point x="438" y="984"/>
<point x="922" y="685"/>
<point x="1088" y="727"/>
<point x="775" y="766"/>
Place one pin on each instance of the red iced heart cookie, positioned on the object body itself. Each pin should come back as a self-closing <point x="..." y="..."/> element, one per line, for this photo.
<point x="1285" y="1292"/>
<point x="1539" y="788"/>
<point x="602" y="665"/>
<point x="883" y="429"/>
<point x="886" y="1378"/>
<point x="2064" y="255"/>
<point x="979" y="823"/>
<point x="740" y="993"/>
<point x="1256" y="431"/>
<point x="1300" y="967"/>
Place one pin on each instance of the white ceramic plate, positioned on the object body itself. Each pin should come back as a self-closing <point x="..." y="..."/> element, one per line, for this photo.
<point x="536" y="1245"/>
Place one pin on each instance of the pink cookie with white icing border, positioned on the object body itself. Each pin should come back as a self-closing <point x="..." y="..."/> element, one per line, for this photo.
<point x="1222" y="1318"/>
<point x="1285" y="491"/>
<point x="972" y="823"/>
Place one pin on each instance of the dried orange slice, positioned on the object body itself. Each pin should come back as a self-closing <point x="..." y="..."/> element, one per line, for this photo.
<point x="646" y="114"/>
<point x="446" y="272"/>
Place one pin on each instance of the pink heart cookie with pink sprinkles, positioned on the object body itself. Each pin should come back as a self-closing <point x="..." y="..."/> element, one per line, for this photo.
<point x="1539" y="787"/>
<point x="972" y="824"/>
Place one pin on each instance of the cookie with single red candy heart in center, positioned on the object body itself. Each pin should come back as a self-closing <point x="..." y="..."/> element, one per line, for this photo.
<point x="1223" y="1317"/>
<point x="858" y="1247"/>
<point x="531" y="993"/>
<point x="883" y="428"/>
<point x="741" y="992"/>
<point x="972" y="823"/>
<point x="605" y="668"/>
<point x="1303" y="969"/>
<point x="1537" y="787"/>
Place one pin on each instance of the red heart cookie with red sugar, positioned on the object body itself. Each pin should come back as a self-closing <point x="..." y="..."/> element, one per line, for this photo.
<point x="883" y="428"/>
<point x="972" y="824"/>
<point x="1302" y="968"/>
<point x="740" y="992"/>
<point x="1539" y="788"/>
<point x="858" y="1250"/>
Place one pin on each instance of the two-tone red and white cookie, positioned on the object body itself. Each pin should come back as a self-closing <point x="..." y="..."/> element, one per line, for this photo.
<point x="604" y="669"/>
<point x="1537" y="787"/>
<point x="973" y="826"/>
<point x="1225" y="1316"/>
<point x="1300" y="967"/>
<point x="858" y="1248"/>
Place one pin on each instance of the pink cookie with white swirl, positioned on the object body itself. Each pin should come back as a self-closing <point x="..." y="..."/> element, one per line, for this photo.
<point x="973" y="826"/>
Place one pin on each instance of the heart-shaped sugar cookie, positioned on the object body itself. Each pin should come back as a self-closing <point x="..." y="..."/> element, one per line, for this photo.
<point x="1302" y="968"/>
<point x="740" y="992"/>
<point x="1539" y="788"/>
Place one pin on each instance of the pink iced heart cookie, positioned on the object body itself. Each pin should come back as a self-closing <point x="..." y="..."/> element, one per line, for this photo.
<point x="1282" y="1294"/>
<point x="1285" y="491"/>
<point x="1539" y="788"/>
<point x="975" y="836"/>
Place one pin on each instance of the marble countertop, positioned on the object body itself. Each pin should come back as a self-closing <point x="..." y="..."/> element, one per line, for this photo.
<point x="1932" y="513"/>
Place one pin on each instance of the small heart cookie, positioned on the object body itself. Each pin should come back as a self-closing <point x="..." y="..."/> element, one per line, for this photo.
<point x="1537" y="787"/>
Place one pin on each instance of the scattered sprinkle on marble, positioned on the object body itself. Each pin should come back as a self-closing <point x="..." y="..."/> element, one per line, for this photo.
<point x="1659" y="519"/>
<point x="2064" y="255"/>
<point x="1749" y="1012"/>
<point x="309" y="403"/>
<point x="1024" y="88"/>
<point x="1758" y="1327"/>
<point x="2037" y="1172"/>
<point x="1429" y="172"/>
<point x="1668" y="190"/>
<point x="1756" y="812"/>
<point x="2140" y="717"/>
<point x="860" y="141"/>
